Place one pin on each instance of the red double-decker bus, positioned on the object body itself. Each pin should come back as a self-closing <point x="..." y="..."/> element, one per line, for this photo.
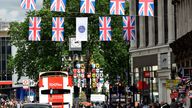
<point x="55" y="89"/>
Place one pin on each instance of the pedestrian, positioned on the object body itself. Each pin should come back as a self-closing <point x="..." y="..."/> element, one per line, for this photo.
<point x="18" y="104"/>
<point x="165" y="105"/>
<point x="180" y="105"/>
<point x="145" y="105"/>
<point x="173" y="104"/>
<point x="76" y="97"/>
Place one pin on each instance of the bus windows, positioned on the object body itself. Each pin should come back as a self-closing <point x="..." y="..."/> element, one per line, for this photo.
<point x="56" y="91"/>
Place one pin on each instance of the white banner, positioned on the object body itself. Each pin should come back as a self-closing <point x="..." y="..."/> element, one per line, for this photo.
<point x="81" y="28"/>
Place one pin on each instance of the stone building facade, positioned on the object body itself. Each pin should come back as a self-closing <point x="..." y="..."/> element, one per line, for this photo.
<point x="182" y="46"/>
<point x="151" y="51"/>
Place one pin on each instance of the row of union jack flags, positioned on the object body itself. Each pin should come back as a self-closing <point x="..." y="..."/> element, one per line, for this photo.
<point x="117" y="7"/>
<point x="105" y="33"/>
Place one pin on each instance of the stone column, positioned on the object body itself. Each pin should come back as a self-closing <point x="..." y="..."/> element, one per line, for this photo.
<point x="151" y="31"/>
<point x="178" y="17"/>
<point x="160" y="90"/>
<point x="132" y="11"/>
<point x="160" y="22"/>
<point x="142" y="31"/>
<point x="132" y="71"/>
<point x="189" y="18"/>
<point x="190" y="15"/>
<point x="171" y="31"/>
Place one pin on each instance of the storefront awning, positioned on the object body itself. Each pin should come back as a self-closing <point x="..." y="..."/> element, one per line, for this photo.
<point x="5" y="83"/>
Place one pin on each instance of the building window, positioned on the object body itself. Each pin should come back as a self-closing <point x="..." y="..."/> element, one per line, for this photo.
<point x="191" y="63"/>
<point x="5" y="51"/>
<point x="156" y="22"/>
<point x="187" y="63"/>
<point x="8" y="49"/>
<point x="166" y="20"/>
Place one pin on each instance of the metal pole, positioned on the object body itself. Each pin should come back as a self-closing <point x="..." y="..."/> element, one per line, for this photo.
<point x="134" y="94"/>
<point x="152" y="89"/>
<point x="29" y="92"/>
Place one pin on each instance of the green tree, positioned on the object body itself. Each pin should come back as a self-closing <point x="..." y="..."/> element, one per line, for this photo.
<point x="45" y="55"/>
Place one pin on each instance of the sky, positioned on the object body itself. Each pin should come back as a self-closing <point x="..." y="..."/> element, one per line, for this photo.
<point x="10" y="10"/>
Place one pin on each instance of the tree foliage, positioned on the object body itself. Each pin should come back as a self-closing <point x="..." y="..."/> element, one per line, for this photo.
<point x="44" y="55"/>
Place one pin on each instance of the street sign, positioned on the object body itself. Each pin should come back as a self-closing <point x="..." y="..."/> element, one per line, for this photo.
<point x="97" y="98"/>
<point x="26" y="84"/>
<point x="74" y="45"/>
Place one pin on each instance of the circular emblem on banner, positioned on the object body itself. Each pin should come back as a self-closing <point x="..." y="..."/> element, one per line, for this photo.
<point x="93" y="75"/>
<point x="74" y="70"/>
<point x="78" y="65"/>
<point x="97" y="65"/>
<point x="97" y="75"/>
<point x="83" y="70"/>
<point x="93" y="66"/>
<point x="81" y="29"/>
<point x="78" y="71"/>
<point x="82" y="66"/>
<point x="101" y="80"/>
<point x="93" y="80"/>
<point x="94" y="85"/>
<point x="82" y="76"/>
<point x="101" y="75"/>
<point x="88" y="75"/>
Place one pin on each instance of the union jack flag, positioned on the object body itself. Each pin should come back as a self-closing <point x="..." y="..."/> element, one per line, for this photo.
<point x="105" y="28"/>
<point x="28" y="4"/>
<point x="146" y="7"/>
<point x="117" y="7"/>
<point x="129" y="28"/>
<point x="57" y="29"/>
<point x="34" y="28"/>
<point x="87" y="6"/>
<point x="58" y="5"/>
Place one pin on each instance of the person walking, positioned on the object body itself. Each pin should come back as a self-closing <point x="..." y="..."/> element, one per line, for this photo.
<point x="173" y="104"/>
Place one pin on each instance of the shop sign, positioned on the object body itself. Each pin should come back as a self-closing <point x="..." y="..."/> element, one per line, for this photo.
<point x="146" y="74"/>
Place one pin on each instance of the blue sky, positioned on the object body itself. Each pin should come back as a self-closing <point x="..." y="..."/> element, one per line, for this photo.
<point x="10" y="10"/>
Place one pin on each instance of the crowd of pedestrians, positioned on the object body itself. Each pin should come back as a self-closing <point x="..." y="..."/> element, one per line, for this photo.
<point x="10" y="103"/>
<point x="173" y="104"/>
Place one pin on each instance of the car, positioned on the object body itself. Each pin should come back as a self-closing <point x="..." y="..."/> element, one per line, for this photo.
<point x="36" y="105"/>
